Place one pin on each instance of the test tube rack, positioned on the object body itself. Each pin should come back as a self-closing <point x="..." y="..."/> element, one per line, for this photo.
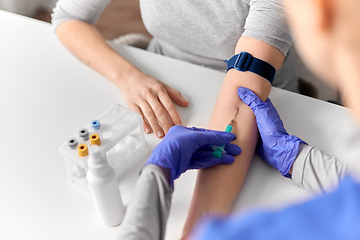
<point x="112" y="130"/>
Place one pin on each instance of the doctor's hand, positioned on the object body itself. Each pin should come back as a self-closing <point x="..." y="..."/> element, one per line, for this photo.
<point x="191" y="148"/>
<point x="275" y="145"/>
<point x="153" y="100"/>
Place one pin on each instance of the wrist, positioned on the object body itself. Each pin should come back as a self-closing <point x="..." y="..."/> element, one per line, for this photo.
<point x="165" y="170"/>
<point x="291" y="168"/>
<point x="300" y="147"/>
<point x="163" y="165"/>
<point x="167" y="174"/>
<point x="124" y="74"/>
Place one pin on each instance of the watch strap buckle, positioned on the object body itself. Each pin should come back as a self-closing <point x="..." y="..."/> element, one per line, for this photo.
<point x="243" y="61"/>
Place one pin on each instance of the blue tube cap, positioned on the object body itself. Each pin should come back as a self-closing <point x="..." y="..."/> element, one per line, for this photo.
<point x="95" y="124"/>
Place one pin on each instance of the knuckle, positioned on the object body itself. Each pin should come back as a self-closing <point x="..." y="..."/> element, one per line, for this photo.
<point x="158" y="108"/>
<point x="175" y="93"/>
<point x="147" y="112"/>
<point x="159" y="88"/>
<point x="145" y="92"/>
<point x="170" y="107"/>
<point x="160" y="112"/>
<point x="131" y="102"/>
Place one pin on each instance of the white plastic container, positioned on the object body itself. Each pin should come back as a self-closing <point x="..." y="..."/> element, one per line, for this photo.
<point x="104" y="188"/>
<point x="122" y="140"/>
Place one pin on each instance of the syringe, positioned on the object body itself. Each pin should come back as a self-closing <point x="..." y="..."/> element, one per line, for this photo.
<point x="220" y="149"/>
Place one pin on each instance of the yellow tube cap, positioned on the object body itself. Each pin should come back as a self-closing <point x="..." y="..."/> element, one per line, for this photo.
<point x="95" y="139"/>
<point x="83" y="150"/>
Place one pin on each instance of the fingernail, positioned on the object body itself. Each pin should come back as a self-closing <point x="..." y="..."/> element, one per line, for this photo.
<point x="147" y="130"/>
<point x="160" y="133"/>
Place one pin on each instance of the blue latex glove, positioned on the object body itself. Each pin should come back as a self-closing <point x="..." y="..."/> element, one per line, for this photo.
<point x="332" y="216"/>
<point x="191" y="148"/>
<point x="275" y="145"/>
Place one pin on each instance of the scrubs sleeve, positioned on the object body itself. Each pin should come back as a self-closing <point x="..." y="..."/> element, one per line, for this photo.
<point x="331" y="216"/>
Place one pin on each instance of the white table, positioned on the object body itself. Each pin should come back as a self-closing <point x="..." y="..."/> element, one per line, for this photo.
<point x="46" y="95"/>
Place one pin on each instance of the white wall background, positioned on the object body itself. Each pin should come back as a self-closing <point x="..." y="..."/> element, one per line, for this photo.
<point x="26" y="7"/>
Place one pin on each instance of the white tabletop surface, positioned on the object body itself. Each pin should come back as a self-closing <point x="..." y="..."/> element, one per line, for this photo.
<point x="46" y="95"/>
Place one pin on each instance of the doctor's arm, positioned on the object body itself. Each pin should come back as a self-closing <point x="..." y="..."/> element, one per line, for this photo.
<point x="182" y="149"/>
<point x="310" y="168"/>
<point x="332" y="216"/>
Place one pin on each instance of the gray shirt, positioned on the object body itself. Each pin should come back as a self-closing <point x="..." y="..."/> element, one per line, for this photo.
<point x="149" y="208"/>
<point x="201" y="32"/>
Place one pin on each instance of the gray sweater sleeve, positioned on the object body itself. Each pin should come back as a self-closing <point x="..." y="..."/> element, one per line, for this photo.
<point x="317" y="172"/>
<point x="82" y="10"/>
<point x="267" y="22"/>
<point x="148" y="211"/>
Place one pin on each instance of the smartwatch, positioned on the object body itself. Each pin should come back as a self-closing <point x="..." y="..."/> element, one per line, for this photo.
<point x="244" y="61"/>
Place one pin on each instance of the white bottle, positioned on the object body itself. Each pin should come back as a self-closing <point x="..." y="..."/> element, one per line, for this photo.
<point x="104" y="188"/>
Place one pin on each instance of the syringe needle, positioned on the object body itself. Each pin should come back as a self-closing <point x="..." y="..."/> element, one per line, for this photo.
<point x="232" y="121"/>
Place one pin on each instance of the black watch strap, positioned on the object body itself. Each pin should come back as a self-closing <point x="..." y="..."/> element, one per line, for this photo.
<point x="244" y="61"/>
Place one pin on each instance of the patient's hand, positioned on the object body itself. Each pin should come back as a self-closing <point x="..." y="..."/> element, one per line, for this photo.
<point x="153" y="100"/>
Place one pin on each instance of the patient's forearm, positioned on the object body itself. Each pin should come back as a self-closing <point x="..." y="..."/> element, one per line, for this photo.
<point x="217" y="187"/>
<point x="86" y="43"/>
